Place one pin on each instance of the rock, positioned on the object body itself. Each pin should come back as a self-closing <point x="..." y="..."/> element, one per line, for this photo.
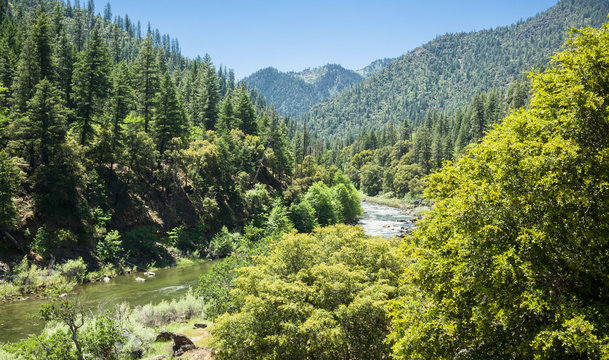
<point x="106" y="279"/>
<point x="64" y="295"/>
<point x="149" y="273"/>
<point x="181" y="343"/>
<point x="200" y="326"/>
<point x="164" y="336"/>
<point x="139" y="279"/>
<point x="159" y="357"/>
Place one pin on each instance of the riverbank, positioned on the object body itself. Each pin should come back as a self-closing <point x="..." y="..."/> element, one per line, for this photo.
<point x="30" y="279"/>
<point x="414" y="208"/>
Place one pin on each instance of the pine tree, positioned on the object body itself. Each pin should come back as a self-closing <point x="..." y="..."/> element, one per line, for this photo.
<point x="245" y="112"/>
<point x="35" y="63"/>
<point x="147" y="81"/>
<point x="90" y="85"/>
<point x="169" y="119"/>
<point x="226" y="117"/>
<point x="120" y="103"/>
<point x="43" y="130"/>
<point x="478" y="118"/>
<point x="209" y="94"/>
<point x="63" y="59"/>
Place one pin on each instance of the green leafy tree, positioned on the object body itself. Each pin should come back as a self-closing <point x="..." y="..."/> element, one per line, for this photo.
<point x="511" y="260"/>
<point x="320" y="197"/>
<point x="319" y="295"/>
<point x="302" y="216"/>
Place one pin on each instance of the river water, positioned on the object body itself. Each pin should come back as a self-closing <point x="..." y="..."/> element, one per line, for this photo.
<point x="16" y="321"/>
<point x="385" y="221"/>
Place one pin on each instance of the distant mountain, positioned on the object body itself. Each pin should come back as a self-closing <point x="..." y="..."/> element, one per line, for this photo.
<point x="294" y="93"/>
<point x="448" y="71"/>
<point x="374" y="67"/>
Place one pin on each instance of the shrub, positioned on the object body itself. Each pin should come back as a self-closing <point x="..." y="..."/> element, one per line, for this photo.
<point x="303" y="216"/>
<point x="108" y="248"/>
<point x="319" y="295"/>
<point x="224" y="243"/>
<point x="73" y="270"/>
<point x="278" y="222"/>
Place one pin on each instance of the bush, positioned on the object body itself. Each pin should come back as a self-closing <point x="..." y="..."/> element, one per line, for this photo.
<point x="278" y="222"/>
<point x="108" y="249"/>
<point x="224" y="243"/>
<point x="102" y="338"/>
<point x="165" y="312"/>
<point x="303" y="216"/>
<point x="73" y="270"/>
<point x="43" y="241"/>
<point x="319" y="295"/>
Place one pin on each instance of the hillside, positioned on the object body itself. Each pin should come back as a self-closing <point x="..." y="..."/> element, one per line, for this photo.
<point x="294" y="93"/>
<point x="448" y="71"/>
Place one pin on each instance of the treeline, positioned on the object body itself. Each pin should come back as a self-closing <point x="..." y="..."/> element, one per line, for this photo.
<point x="105" y="128"/>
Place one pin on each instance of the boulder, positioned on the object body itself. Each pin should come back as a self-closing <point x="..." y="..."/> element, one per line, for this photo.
<point x="164" y="336"/>
<point x="181" y="343"/>
<point x="139" y="279"/>
<point x="159" y="357"/>
<point x="200" y="326"/>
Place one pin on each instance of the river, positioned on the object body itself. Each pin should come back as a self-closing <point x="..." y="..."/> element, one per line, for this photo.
<point x="16" y="321"/>
<point x="385" y="221"/>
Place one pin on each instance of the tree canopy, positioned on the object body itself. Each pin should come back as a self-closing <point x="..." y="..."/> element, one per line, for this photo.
<point x="512" y="260"/>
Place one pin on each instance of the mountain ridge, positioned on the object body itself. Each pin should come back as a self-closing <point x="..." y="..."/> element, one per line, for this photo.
<point x="293" y="93"/>
<point x="447" y="72"/>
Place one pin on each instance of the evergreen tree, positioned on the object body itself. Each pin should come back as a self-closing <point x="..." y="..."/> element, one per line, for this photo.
<point x="169" y="119"/>
<point x="35" y="62"/>
<point x="120" y="103"/>
<point x="43" y="130"/>
<point x="63" y="59"/>
<point x="245" y="112"/>
<point x="226" y="117"/>
<point x="209" y="95"/>
<point x="90" y="85"/>
<point x="147" y="81"/>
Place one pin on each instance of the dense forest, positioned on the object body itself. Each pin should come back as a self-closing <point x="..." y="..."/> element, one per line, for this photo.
<point x="449" y="71"/>
<point x="114" y="146"/>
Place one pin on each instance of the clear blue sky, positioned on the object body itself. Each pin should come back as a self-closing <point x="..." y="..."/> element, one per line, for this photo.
<point x="247" y="35"/>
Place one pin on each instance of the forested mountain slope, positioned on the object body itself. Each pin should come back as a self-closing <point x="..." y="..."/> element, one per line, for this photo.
<point x="294" y="93"/>
<point x="447" y="72"/>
